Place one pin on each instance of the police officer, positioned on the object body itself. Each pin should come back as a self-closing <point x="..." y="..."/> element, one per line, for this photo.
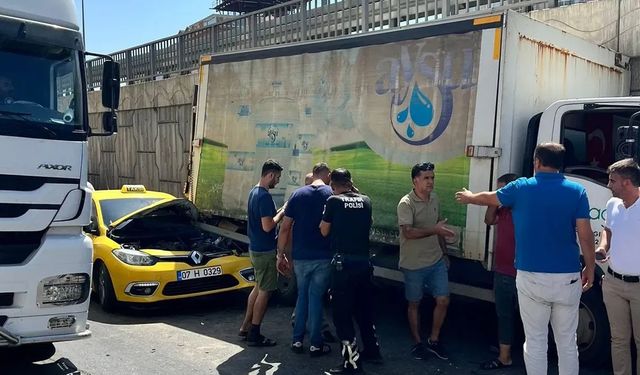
<point x="347" y="220"/>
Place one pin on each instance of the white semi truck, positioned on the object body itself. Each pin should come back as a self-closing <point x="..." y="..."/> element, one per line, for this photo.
<point x="473" y="95"/>
<point x="45" y="200"/>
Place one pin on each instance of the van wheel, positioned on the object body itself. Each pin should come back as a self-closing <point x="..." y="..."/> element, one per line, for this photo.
<point x="593" y="329"/>
<point x="287" y="290"/>
<point x="104" y="289"/>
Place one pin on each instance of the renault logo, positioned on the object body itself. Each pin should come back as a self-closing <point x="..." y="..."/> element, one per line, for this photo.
<point x="196" y="256"/>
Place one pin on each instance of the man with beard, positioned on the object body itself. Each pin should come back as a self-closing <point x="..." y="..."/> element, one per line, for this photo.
<point x="261" y="229"/>
<point x="621" y="285"/>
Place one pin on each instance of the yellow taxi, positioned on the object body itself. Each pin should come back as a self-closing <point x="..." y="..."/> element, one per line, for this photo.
<point x="149" y="246"/>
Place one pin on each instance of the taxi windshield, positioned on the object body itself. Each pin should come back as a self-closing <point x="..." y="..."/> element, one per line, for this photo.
<point x="114" y="209"/>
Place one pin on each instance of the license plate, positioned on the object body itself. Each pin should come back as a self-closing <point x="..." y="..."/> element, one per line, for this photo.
<point x="197" y="273"/>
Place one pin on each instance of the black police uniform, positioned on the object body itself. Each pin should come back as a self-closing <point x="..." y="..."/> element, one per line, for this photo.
<point x="351" y="287"/>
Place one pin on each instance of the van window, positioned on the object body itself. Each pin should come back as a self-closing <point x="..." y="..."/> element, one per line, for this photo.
<point x="594" y="140"/>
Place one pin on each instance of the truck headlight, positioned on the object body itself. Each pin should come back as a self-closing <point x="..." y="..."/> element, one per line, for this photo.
<point x="134" y="257"/>
<point x="69" y="289"/>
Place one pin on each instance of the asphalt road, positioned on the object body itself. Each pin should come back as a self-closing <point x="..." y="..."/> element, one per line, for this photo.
<point x="199" y="337"/>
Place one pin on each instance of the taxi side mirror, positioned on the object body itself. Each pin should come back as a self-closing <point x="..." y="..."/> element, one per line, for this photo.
<point x="92" y="228"/>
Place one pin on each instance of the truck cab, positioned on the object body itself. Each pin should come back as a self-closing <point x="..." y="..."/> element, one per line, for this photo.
<point x="45" y="199"/>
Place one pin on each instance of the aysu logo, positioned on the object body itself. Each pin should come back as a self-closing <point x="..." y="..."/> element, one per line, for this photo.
<point x="410" y="81"/>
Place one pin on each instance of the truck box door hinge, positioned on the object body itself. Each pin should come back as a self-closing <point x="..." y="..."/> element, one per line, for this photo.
<point x="475" y="151"/>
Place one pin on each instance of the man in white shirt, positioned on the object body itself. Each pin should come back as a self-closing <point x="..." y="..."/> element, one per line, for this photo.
<point x="619" y="245"/>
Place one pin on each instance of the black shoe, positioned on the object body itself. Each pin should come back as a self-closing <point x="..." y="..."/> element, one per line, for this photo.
<point x="297" y="347"/>
<point x="418" y="352"/>
<point x="436" y="348"/>
<point x="260" y="341"/>
<point x="327" y="336"/>
<point x="371" y="357"/>
<point x="343" y="368"/>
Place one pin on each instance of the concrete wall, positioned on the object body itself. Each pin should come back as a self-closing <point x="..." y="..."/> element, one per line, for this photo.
<point x="597" y="21"/>
<point x="154" y="137"/>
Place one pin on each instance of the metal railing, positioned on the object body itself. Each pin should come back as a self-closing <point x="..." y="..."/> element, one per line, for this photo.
<point x="291" y="22"/>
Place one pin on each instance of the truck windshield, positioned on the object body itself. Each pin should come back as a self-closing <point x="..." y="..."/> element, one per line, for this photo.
<point x="41" y="93"/>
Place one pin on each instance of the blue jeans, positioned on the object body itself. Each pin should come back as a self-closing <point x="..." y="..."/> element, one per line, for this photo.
<point x="313" y="278"/>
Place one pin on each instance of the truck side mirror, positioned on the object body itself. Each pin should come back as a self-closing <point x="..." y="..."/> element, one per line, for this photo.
<point x="110" y="84"/>
<point x="110" y="122"/>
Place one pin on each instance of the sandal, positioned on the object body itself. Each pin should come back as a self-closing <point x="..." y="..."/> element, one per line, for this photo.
<point x="494" y="364"/>
<point x="316" y="351"/>
<point x="260" y="341"/>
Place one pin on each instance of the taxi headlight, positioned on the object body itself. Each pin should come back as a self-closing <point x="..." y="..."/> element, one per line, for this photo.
<point x="134" y="257"/>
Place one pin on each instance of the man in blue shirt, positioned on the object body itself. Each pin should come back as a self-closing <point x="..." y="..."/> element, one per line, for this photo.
<point x="310" y="255"/>
<point x="547" y="209"/>
<point x="261" y="229"/>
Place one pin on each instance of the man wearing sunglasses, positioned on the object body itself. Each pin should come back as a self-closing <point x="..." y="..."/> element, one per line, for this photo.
<point x="422" y="259"/>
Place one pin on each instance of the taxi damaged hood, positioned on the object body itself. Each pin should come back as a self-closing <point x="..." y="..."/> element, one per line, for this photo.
<point x="177" y="207"/>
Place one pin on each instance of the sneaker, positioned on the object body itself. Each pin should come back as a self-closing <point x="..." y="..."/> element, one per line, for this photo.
<point x="297" y="348"/>
<point x="436" y="348"/>
<point x="260" y="341"/>
<point x="418" y="351"/>
<point x="317" y="351"/>
<point x="344" y="368"/>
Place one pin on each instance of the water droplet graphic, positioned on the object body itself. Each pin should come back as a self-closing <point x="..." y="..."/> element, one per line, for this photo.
<point x="402" y="116"/>
<point x="410" y="132"/>
<point x="420" y="107"/>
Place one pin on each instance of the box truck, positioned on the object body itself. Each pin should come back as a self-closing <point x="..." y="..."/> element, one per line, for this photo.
<point x="472" y="95"/>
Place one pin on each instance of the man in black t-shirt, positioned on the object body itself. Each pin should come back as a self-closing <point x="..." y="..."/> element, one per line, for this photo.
<point x="347" y="221"/>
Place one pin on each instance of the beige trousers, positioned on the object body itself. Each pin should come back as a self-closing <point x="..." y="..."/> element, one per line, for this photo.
<point x="622" y="300"/>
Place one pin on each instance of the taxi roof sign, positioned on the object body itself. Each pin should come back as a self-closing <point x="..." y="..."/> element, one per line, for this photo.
<point x="133" y="189"/>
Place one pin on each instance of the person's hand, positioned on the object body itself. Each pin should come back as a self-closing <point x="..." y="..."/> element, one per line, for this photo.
<point x="601" y="255"/>
<point x="442" y="230"/>
<point x="284" y="266"/>
<point x="464" y="196"/>
<point x="587" y="278"/>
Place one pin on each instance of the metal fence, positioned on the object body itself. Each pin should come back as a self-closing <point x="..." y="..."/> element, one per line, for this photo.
<point x="291" y="22"/>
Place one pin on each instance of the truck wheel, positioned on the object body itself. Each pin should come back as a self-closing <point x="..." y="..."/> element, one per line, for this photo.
<point x="287" y="290"/>
<point x="104" y="289"/>
<point x="593" y="329"/>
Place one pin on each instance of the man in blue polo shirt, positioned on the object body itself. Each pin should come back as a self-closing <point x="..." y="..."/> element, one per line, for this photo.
<point x="547" y="209"/>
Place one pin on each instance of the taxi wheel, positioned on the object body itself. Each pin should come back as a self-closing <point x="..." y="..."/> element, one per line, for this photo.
<point x="106" y="294"/>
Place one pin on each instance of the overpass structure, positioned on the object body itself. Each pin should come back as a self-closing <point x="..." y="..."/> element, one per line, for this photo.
<point x="295" y="21"/>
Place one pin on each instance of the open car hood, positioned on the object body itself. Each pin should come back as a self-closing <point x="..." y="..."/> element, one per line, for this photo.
<point x="182" y="206"/>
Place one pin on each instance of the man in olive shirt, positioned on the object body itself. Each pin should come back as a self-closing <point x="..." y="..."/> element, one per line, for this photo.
<point x="421" y="257"/>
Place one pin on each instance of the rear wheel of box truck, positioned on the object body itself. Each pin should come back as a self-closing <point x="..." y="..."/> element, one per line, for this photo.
<point x="593" y="329"/>
<point x="287" y="290"/>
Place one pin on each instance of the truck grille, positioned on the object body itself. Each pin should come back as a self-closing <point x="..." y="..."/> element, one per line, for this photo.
<point x="16" y="247"/>
<point x="205" y="284"/>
